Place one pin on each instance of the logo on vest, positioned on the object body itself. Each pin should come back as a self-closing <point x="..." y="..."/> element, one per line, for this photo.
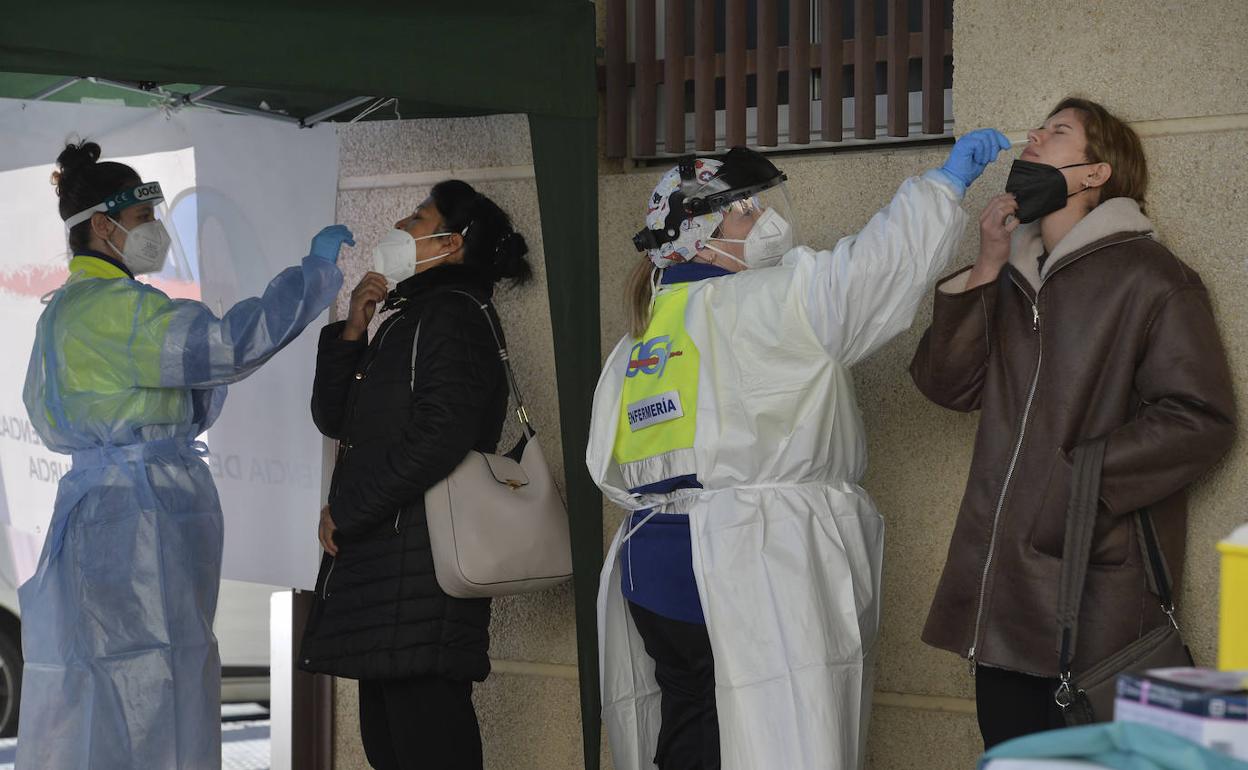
<point x="651" y="356"/>
<point x="664" y="407"/>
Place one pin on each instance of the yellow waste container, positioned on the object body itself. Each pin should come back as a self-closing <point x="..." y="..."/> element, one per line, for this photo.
<point x="1233" y="623"/>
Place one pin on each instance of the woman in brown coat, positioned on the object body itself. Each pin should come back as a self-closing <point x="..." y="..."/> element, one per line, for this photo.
<point x="1074" y="324"/>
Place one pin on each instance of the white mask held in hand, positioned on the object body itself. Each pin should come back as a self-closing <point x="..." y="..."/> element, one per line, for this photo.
<point x="395" y="256"/>
<point x="769" y="239"/>
<point x="146" y="247"/>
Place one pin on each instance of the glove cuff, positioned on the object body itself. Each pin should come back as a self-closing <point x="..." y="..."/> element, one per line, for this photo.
<point x="957" y="184"/>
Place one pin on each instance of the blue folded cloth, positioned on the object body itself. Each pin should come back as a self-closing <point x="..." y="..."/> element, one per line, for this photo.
<point x="1118" y="745"/>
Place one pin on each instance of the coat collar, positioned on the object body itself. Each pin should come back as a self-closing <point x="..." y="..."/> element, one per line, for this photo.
<point x="93" y="264"/>
<point x="688" y="272"/>
<point x="440" y="277"/>
<point x="1116" y="216"/>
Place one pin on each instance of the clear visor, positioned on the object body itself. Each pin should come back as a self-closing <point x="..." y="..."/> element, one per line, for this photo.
<point x="180" y="264"/>
<point x="742" y="215"/>
<point x="140" y="214"/>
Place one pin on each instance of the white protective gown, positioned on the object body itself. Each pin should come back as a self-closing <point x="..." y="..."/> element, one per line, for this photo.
<point x="787" y="547"/>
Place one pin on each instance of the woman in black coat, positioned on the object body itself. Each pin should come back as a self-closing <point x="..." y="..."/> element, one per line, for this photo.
<point x="406" y="408"/>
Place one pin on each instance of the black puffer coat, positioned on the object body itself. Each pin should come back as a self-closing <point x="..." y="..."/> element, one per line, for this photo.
<point x="379" y="613"/>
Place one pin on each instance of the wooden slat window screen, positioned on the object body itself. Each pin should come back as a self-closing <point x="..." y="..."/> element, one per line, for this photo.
<point x="761" y="73"/>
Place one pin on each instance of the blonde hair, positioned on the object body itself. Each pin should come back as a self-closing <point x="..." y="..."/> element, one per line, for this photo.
<point x="638" y="294"/>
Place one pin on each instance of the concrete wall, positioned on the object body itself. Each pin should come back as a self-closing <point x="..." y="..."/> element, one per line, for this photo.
<point x="1171" y="68"/>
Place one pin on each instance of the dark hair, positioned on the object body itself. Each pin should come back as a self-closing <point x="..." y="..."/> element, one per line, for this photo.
<point x="82" y="182"/>
<point x="1111" y="141"/>
<point x="491" y="244"/>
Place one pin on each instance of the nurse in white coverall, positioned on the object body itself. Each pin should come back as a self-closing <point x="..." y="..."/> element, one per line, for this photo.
<point x="739" y="605"/>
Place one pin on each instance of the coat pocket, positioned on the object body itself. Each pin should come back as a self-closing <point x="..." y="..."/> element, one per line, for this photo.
<point x="1111" y="540"/>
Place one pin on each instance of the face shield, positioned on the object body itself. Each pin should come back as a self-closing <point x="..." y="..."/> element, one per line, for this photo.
<point x="741" y="205"/>
<point x="147" y="243"/>
<point x="756" y="230"/>
<point x="177" y="266"/>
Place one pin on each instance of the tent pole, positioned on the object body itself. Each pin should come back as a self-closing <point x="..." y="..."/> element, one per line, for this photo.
<point x="197" y="98"/>
<point x="323" y="115"/>
<point x="565" y="160"/>
<point x="54" y="89"/>
<point x="223" y="107"/>
<point x="131" y="86"/>
<point x="202" y="93"/>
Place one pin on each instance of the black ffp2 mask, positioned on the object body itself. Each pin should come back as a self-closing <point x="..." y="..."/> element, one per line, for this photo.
<point x="1039" y="188"/>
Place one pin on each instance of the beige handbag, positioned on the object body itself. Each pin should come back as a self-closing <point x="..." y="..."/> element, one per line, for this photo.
<point x="497" y="525"/>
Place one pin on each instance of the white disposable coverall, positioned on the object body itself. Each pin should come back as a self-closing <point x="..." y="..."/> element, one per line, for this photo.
<point x="787" y="547"/>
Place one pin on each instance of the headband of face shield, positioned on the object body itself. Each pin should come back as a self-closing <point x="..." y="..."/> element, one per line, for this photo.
<point x="737" y="207"/>
<point x="146" y="245"/>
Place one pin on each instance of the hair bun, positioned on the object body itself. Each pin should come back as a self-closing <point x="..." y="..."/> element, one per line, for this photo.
<point x="511" y="245"/>
<point x="76" y="156"/>
<point x="509" y="259"/>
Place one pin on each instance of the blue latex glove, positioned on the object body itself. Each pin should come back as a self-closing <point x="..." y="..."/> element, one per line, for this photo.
<point x="329" y="240"/>
<point x="972" y="153"/>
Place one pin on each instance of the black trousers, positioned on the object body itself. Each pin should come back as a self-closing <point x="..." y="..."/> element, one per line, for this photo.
<point x="1010" y="705"/>
<point x="426" y="723"/>
<point x="685" y="670"/>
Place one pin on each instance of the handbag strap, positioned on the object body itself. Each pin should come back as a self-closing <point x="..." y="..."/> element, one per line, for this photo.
<point x="1081" y="514"/>
<point x="1085" y="491"/>
<point x="1155" y="567"/>
<point x="522" y="414"/>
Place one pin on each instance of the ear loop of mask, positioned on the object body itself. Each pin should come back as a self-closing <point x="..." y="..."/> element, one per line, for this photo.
<point x="747" y="206"/>
<point x="109" y="241"/>
<point x="723" y="253"/>
<point x="1086" y="186"/>
<point x="462" y="233"/>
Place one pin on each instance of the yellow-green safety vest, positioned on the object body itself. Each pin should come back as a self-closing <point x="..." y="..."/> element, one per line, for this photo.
<point x="99" y="368"/>
<point x="658" y="414"/>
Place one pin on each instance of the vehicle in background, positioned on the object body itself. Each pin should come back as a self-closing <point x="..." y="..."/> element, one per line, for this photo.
<point x="241" y="625"/>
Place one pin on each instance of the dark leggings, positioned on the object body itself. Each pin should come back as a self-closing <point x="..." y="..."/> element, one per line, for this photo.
<point x="1010" y="704"/>
<point x="685" y="670"/>
<point x="426" y="723"/>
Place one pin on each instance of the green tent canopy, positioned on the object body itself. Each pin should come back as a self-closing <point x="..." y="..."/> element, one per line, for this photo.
<point x="308" y="61"/>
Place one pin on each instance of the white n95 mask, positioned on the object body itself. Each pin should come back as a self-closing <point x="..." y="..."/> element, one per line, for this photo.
<point x="769" y="239"/>
<point x="395" y="256"/>
<point x="146" y="247"/>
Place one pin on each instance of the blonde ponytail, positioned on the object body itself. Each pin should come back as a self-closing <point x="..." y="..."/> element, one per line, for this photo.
<point x="639" y="296"/>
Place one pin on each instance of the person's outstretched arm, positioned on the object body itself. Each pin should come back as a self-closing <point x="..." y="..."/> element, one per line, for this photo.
<point x="866" y="290"/>
<point x="169" y="343"/>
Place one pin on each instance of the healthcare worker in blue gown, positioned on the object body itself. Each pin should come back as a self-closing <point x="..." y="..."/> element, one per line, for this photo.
<point x="121" y="665"/>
